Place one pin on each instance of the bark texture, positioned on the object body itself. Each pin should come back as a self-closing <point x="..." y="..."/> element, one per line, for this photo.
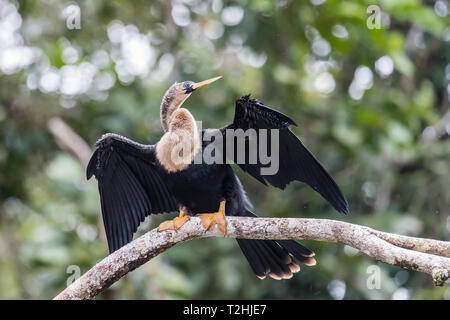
<point x="423" y="255"/>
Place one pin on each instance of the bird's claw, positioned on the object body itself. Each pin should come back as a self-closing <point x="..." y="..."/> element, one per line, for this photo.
<point x="174" y="224"/>
<point x="209" y="220"/>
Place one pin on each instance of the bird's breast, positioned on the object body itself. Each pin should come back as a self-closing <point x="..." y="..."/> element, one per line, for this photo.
<point x="176" y="150"/>
<point x="199" y="187"/>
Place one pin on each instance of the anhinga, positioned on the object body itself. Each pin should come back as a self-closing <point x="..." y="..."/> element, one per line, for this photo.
<point x="137" y="180"/>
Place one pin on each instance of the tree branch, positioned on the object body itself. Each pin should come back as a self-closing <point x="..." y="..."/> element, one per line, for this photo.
<point x="424" y="255"/>
<point x="69" y="140"/>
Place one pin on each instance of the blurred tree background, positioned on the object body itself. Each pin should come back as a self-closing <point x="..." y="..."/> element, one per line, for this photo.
<point x="371" y="101"/>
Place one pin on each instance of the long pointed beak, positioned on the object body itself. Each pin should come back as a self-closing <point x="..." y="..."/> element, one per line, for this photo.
<point x="198" y="85"/>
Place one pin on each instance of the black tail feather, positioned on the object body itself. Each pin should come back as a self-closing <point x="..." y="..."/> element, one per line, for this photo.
<point x="275" y="258"/>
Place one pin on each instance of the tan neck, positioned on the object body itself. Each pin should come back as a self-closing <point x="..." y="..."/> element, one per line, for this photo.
<point x="177" y="148"/>
<point x="169" y="104"/>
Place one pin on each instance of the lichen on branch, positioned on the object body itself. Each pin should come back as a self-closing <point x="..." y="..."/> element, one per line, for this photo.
<point x="417" y="254"/>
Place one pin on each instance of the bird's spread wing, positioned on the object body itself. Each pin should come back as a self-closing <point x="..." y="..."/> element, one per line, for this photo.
<point x="129" y="185"/>
<point x="295" y="161"/>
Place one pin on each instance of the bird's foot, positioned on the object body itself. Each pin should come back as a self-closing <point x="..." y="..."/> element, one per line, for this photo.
<point x="211" y="219"/>
<point x="176" y="223"/>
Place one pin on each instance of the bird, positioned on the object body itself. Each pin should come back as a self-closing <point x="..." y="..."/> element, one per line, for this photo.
<point x="136" y="180"/>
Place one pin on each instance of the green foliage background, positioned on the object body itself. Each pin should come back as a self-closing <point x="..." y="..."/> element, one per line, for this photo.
<point x="386" y="145"/>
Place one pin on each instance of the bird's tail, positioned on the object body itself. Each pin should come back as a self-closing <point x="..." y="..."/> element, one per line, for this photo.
<point x="275" y="258"/>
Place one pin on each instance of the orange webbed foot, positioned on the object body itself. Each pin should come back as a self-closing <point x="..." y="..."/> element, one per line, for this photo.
<point x="209" y="220"/>
<point x="176" y="223"/>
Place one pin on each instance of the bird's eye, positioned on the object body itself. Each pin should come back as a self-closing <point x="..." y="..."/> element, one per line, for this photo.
<point x="188" y="86"/>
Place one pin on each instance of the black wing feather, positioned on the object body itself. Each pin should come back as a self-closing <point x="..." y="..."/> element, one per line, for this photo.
<point x="296" y="162"/>
<point x="130" y="186"/>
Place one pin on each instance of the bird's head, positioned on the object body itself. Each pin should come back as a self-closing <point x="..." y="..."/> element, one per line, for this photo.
<point x="177" y="94"/>
<point x="181" y="89"/>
